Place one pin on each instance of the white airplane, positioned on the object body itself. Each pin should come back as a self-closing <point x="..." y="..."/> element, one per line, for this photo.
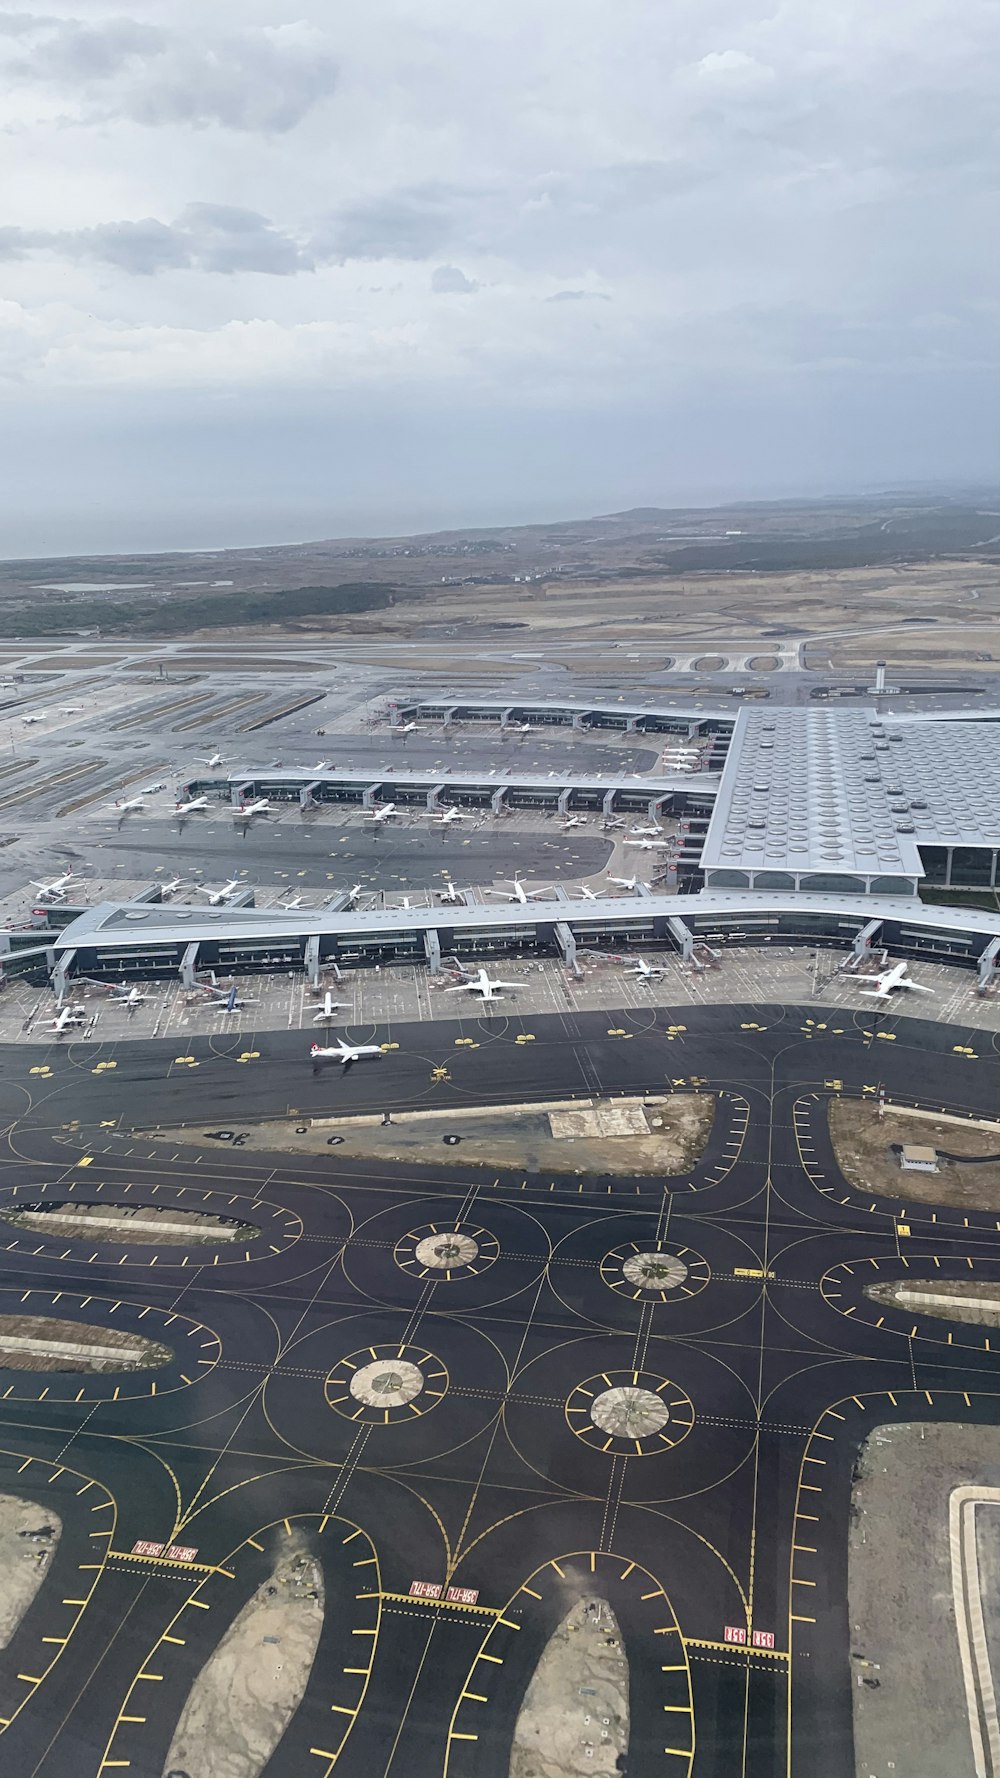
<point x="575" y="821"/>
<point x="626" y="882"/>
<point x="452" y="894"/>
<point x="126" y="806"/>
<point x="55" y="890"/>
<point x="524" y="727"/>
<point x="587" y="894"/>
<point x="328" y="1010"/>
<point x="226" y="999"/>
<point x="382" y="812"/>
<point x="70" y="709"/>
<point x="521" y="894"/>
<point x="171" y="888"/>
<point x="646" y="970"/>
<point x="70" y="1015"/>
<point x="259" y="806"/>
<point x="151" y="789"/>
<point x="216" y="897"/>
<point x="404" y="728"/>
<point x="446" y="816"/>
<point x="27" y="719"/>
<point x="896" y="977"/>
<point x="649" y="845"/>
<point x="484" y="986"/>
<point x="290" y="902"/>
<point x="119" y="992"/>
<point x="322" y="765"/>
<point x="343" y="1052"/>
<point x="646" y="833"/>
<point x="217" y="759"/>
<point x="193" y="804"/>
<point x="354" y="891"/>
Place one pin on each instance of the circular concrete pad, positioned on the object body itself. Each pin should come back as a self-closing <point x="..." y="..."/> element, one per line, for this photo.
<point x="629" y="1412"/>
<point x="387" y="1383"/>
<point x="446" y="1251"/>
<point x="655" y="1271"/>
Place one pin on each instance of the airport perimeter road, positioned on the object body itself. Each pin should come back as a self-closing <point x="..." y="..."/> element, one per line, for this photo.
<point x="518" y="1423"/>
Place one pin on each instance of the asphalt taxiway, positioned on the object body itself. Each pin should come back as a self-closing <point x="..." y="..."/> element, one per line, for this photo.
<point x="530" y="1420"/>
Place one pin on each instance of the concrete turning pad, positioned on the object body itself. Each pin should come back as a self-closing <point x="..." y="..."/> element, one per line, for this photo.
<point x="388" y="1383"/>
<point x="655" y="1271"/>
<point x="575" y="1715"/>
<point x="629" y="1413"/>
<point x="446" y="1251"/>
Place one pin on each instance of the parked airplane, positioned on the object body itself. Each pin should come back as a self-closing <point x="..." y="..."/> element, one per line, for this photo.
<point x="575" y="821"/>
<point x="27" y="719"/>
<point x="343" y="1052"/>
<point x="646" y="970"/>
<point x="328" y="1010"/>
<point x="649" y="845"/>
<point x="171" y="888"/>
<point x="70" y="709"/>
<point x="56" y="890"/>
<point x="259" y="806"/>
<point x="193" y="804"/>
<point x="521" y="894"/>
<point x="587" y="894"/>
<point x="353" y="892"/>
<point x="70" y="1015"/>
<point x="896" y="977"/>
<point x="448" y="815"/>
<point x="450" y="893"/>
<point x="627" y="882"/>
<point x="226" y="999"/>
<point x="290" y="902"/>
<point x="127" y="805"/>
<point x="483" y="985"/>
<point x="646" y="833"/>
<point x="119" y="991"/>
<point x="216" y="897"/>
<point x="381" y="812"/>
<point x="217" y="759"/>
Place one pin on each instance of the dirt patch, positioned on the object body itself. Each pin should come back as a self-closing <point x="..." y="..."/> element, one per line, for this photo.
<point x="710" y="663"/>
<point x="575" y="1715"/>
<point x="902" y="1614"/>
<point x="953" y="1300"/>
<point x="862" y="1147"/>
<point x="678" y="1128"/>
<point x="764" y="663"/>
<point x="131" y="1226"/>
<point x="250" y="1687"/>
<point x="28" y="1539"/>
<point x="44" y="1343"/>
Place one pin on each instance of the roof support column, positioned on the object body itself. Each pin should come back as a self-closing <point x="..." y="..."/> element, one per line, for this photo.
<point x="238" y="793"/>
<point x="189" y="963"/>
<point x="608" y="805"/>
<point x="563" y="804"/>
<point x="988" y="964"/>
<point x="579" y="719"/>
<point x="682" y="935"/>
<point x="310" y="961"/>
<point x="432" y="947"/>
<point x="61" y="973"/>
<point x="434" y="796"/>
<point x="566" y="941"/>
<point x="864" y="939"/>
<point x="368" y="796"/>
<point x="307" y="795"/>
<point x="498" y="801"/>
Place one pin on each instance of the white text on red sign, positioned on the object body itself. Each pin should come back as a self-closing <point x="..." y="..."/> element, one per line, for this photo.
<point x="735" y="1633"/>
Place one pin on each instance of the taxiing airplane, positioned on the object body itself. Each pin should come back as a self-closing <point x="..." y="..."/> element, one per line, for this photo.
<point x="151" y="789"/>
<point x="646" y="970"/>
<point x="343" y="1052"/>
<point x="381" y="812"/>
<point x="521" y="894"/>
<point x="56" y="890"/>
<point x="328" y="1010"/>
<point x="483" y="985"/>
<point x="896" y="977"/>
<point x="70" y="709"/>
<point x="630" y="883"/>
<point x="216" y="897"/>
<point x="450" y="893"/>
<point x="217" y="759"/>
<point x="192" y="806"/>
<point x="446" y="816"/>
<point x="69" y="1015"/>
<point x="649" y="845"/>
<point x="646" y="833"/>
<point x="404" y="728"/>
<point x="127" y="806"/>
<point x="27" y="719"/>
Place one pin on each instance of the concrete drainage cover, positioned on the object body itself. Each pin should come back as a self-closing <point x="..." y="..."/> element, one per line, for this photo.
<point x="446" y="1251"/>
<point x="629" y="1412"/>
<point x="388" y="1383"/>
<point x="655" y="1271"/>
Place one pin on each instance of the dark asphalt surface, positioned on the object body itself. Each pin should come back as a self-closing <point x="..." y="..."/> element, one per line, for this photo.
<point x="772" y="1361"/>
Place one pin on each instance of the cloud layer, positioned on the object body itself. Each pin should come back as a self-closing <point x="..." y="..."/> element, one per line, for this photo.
<point x="640" y="209"/>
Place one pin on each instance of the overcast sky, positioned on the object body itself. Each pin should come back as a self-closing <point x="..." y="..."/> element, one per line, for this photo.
<point x="277" y="270"/>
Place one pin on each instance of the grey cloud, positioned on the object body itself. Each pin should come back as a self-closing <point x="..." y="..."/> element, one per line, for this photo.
<point x="205" y="237"/>
<point x="254" y="79"/>
<point x="448" y="280"/>
<point x="578" y="296"/>
<point x="401" y="225"/>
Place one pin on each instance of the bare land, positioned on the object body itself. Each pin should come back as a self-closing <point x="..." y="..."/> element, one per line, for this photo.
<point x="44" y="1343"/>
<point x="512" y="1137"/>
<point x="250" y="1687"/>
<point x="28" y="1539"/>
<point x="910" y="1717"/>
<point x="143" y="1225"/>
<point x="862" y="1147"/>
<point x="575" y="1715"/>
<point x="954" y="1300"/>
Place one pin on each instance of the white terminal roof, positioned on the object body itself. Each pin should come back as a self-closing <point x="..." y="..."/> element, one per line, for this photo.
<point x="852" y="791"/>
